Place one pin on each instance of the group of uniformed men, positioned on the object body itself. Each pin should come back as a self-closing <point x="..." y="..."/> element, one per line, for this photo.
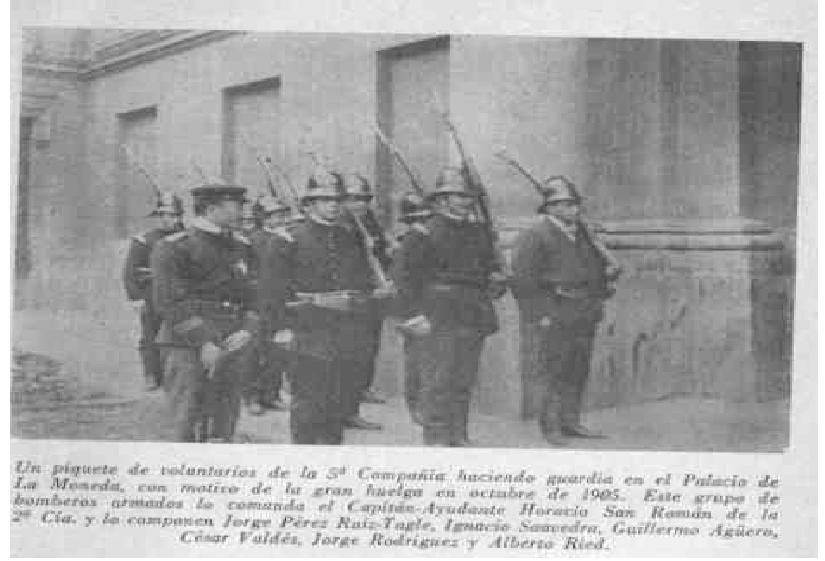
<point x="227" y="312"/>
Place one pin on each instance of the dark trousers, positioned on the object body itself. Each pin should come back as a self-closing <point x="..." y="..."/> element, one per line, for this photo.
<point x="266" y="372"/>
<point x="450" y="360"/>
<point x="355" y="373"/>
<point x="205" y="404"/>
<point x="563" y="367"/>
<point x="321" y="396"/>
<point x="361" y="367"/>
<point x="150" y="354"/>
<point x="375" y="334"/>
<point x="412" y="376"/>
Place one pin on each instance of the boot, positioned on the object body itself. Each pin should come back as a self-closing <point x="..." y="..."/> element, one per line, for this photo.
<point x="417" y="417"/>
<point x="152" y="369"/>
<point x="555" y="438"/>
<point x="458" y="429"/>
<point x="255" y="408"/>
<point x="436" y="436"/>
<point x="580" y="431"/>
<point x="360" y="423"/>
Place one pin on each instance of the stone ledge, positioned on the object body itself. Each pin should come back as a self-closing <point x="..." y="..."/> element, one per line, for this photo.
<point x="129" y="41"/>
<point x="734" y="234"/>
<point x="147" y="51"/>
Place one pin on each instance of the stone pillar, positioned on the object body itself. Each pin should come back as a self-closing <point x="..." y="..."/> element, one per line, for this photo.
<point x="689" y="318"/>
<point x="769" y="108"/>
<point x="700" y="129"/>
<point x="664" y="163"/>
<point x="681" y="321"/>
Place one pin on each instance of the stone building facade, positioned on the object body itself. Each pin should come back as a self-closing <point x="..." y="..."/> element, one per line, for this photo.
<point x="686" y="150"/>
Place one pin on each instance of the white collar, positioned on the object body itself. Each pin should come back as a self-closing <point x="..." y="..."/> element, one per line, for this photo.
<point x="202" y="223"/>
<point x="569" y="230"/>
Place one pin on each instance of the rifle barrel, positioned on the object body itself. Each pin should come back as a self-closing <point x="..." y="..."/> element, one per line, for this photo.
<point x="414" y="180"/>
<point x="530" y="177"/>
<point x="199" y="171"/>
<point x="287" y="180"/>
<point x="375" y="264"/>
<point x="141" y="168"/>
<point x="270" y="179"/>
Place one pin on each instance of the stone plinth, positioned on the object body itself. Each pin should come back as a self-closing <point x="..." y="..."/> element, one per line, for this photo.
<point x="703" y="309"/>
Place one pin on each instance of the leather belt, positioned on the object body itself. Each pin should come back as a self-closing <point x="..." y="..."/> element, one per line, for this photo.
<point x="343" y="300"/>
<point x="457" y="281"/>
<point x="577" y="292"/>
<point x="214" y="306"/>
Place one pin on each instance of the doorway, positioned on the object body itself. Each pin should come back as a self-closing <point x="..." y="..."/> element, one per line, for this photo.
<point x="407" y="75"/>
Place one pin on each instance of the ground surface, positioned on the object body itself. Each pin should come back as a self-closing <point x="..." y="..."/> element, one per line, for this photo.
<point x="81" y="381"/>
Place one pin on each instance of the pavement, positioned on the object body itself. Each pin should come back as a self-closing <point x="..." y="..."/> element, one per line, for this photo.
<point x="98" y="364"/>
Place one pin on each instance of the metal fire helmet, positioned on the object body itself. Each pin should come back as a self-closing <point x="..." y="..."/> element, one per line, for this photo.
<point x="271" y="205"/>
<point x="251" y="213"/>
<point x="323" y="185"/>
<point x="451" y="181"/>
<point x="168" y="203"/>
<point x="413" y="206"/>
<point x="558" y="188"/>
<point x="356" y="185"/>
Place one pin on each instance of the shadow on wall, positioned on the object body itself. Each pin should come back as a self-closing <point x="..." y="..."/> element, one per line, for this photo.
<point x="75" y="311"/>
<point x="722" y="331"/>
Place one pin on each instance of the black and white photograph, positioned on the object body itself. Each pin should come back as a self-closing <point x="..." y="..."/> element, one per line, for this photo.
<point x="407" y="279"/>
<point x="449" y="240"/>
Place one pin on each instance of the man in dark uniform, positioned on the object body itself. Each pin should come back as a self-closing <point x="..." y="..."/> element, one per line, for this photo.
<point x="358" y="196"/>
<point x="315" y="290"/>
<point x="413" y="211"/>
<point x="205" y="294"/>
<point x="263" y="390"/>
<point x="445" y="279"/>
<point x="137" y="279"/>
<point x="561" y="277"/>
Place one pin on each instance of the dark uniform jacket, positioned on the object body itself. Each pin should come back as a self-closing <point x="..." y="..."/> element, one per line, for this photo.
<point x="316" y="257"/>
<point x="442" y="271"/>
<point x="381" y="245"/>
<point x="137" y="277"/>
<point x="554" y="275"/>
<point x="260" y="239"/>
<point x="203" y="287"/>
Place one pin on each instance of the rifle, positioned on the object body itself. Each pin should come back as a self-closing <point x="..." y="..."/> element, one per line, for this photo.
<point x="199" y="171"/>
<point x="416" y="182"/>
<point x="504" y="155"/>
<point x="265" y="162"/>
<point x="288" y="181"/>
<point x="612" y="266"/>
<point x="474" y="179"/>
<point x="270" y="178"/>
<point x="375" y="264"/>
<point x="134" y="161"/>
<point x="297" y="214"/>
<point x="611" y="263"/>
